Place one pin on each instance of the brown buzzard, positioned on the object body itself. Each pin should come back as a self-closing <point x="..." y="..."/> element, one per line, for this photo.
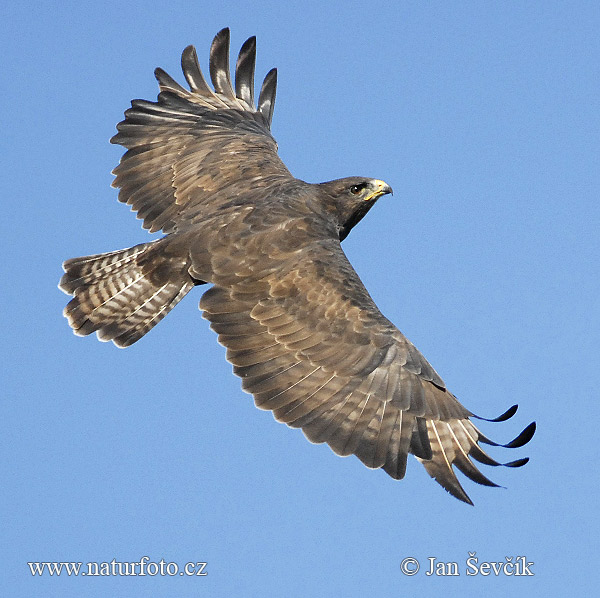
<point x="300" y="328"/>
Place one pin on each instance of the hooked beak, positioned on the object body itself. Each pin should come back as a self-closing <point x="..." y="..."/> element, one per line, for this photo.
<point x="380" y="188"/>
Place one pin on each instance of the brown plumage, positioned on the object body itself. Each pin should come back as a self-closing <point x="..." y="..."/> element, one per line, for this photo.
<point x="300" y="328"/>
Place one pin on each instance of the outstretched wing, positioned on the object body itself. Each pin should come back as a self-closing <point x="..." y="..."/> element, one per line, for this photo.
<point x="193" y="151"/>
<point x="311" y="345"/>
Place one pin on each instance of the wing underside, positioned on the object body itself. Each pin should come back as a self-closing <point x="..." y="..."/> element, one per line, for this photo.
<point x="311" y="346"/>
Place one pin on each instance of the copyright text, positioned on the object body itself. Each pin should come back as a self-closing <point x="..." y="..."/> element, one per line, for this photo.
<point x="518" y="566"/>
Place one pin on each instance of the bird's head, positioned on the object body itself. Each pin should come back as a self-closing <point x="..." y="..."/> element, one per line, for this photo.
<point x="349" y="199"/>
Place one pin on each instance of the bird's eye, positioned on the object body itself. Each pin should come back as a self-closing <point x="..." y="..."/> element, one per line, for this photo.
<point x="356" y="189"/>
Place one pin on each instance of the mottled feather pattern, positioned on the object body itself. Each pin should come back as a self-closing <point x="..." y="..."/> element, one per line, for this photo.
<point x="200" y="146"/>
<point x="300" y="329"/>
<point x="121" y="295"/>
<point x="300" y="362"/>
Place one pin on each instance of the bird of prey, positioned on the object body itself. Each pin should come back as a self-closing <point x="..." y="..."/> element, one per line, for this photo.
<point x="300" y="329"/>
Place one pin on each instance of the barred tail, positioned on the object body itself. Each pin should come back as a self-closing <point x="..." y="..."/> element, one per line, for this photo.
<point x="121" y="295"/>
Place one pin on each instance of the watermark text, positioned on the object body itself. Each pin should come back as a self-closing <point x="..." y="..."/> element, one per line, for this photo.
<point x="115" y="568"/>
<point x="518" y="566"/>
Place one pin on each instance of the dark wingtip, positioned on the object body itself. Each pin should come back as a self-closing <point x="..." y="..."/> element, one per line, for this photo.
<point x="166" y="82"/>
<point x="501" y="418"/>
<point x="192" y="71"/>
<point x="468" y="469"/>
<point x="449" y="482"/>
<point x="517" y="462"/>
<point x="249" y="45"/>
<point x="244" y="71"/>
<point x="460" y="494"/>
<point x="222" y="37"/>
<point x="524" y="437"/>
<point x="219" y="64"/>
<point x="188" y="52"/>
<point x="266" y="99"/>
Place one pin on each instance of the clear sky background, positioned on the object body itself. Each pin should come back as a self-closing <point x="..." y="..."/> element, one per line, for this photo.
<point x="484" y="117"/>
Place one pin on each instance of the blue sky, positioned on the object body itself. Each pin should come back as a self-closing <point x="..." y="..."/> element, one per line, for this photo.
<point x="484" y="117"/>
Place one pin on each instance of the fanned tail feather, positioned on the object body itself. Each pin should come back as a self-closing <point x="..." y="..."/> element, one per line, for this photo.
<point x="121" y="295"/>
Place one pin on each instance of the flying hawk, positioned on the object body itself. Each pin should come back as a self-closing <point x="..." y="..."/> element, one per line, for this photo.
<point x="301" y="330"/>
